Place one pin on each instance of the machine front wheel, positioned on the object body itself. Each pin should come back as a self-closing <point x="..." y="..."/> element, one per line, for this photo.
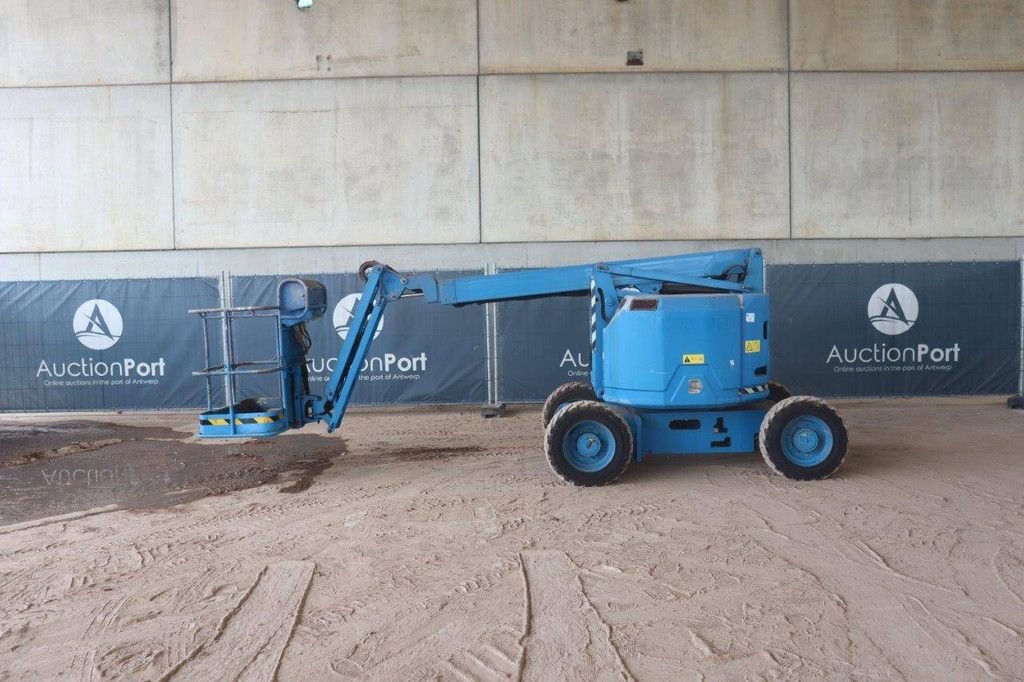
<point x="588" y="444"/>
<point x="563" y="395"/>
<point x="803" y="438"/>
<point x="777" y="392"/>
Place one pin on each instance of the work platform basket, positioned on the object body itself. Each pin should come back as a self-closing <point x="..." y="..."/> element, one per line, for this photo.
<point x="249" y="417"/>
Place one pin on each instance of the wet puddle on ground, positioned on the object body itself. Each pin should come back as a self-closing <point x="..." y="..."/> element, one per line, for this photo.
<point x="72" y="466"/>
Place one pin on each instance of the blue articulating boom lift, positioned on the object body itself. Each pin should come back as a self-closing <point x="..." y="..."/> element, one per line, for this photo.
<point x="679" y="350"/>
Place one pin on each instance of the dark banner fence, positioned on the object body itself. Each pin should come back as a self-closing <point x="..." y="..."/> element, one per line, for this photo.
<point x="837" y="330"/>
<point x="102" y="344"/>
<point x="904" y="329"/>
<point x="541" y="344"/>
<point x="420" y="353"/>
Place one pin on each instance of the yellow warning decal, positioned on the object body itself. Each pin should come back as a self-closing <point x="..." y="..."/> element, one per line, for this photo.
<point x="693" y="359"/>
<point x="752" y="346"/>
<point x="256" y="420"/>
<point x="262" y="419"/>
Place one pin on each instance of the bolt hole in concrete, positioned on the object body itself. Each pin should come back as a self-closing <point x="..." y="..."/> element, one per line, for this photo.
<point x="634" y="58"/>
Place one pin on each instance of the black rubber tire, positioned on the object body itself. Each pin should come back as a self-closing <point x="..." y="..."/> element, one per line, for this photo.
<point x="777" y="392"/>
<point x="770" y="437"/>
<point x="364" y="270"/>
<point x="571" y="416"/>
<point x="566" y="393"/>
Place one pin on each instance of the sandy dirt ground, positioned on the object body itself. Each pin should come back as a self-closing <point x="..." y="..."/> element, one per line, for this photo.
<point x="436" y="544"/>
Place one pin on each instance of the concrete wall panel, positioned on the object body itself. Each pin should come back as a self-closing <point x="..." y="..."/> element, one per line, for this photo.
<point x="907" y="35"/>
<point x="538" y="36"/>
<point x="287" y="163"/>
<point x="406" y="258"/>
<point x="83" y="42"/>
<point x="85" y="169"/>
<point x="263" y="39"/>
<point x="618" y="157"/>
<point x="908" y="155"/>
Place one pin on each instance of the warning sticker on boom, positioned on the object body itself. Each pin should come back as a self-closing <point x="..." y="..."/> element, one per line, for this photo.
<point x="752" y="346"/>
<point x="693" y="359"/>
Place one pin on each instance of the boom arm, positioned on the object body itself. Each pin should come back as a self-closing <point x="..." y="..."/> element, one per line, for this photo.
<point x="736" y="271"/>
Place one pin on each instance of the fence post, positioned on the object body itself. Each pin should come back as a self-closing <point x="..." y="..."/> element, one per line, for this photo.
<point x="225" y="302"/>
<point x="1016" y="402"/>
<point x="494" y="407"/>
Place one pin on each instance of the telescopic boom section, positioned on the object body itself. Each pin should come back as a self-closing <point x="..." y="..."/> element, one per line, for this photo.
<point x="736" y="271"/>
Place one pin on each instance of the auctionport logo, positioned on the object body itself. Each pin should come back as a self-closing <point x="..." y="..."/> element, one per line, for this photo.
<point x="575" y="363"/>
<point x="97" y="324"/>
<point x="343" y="316"/>
<point x="893" y="309"/>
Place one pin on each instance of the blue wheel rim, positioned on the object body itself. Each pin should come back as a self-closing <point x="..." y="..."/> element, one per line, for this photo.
<point x="807" y="441"/>
<point x="589" y="446"/>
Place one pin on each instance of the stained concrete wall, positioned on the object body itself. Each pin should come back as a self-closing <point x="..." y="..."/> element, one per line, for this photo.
<point x="243" y="40"/>
<point x="921" y="155"/>
<point x="622" y="157"/>
<point x="85" y="169"/>
<point x="907" y="35"/>
<point x="83" y="42"/>
<point x="570" y="36"/>
<point x="350" y="131"/>
<point x="303" y="163"/>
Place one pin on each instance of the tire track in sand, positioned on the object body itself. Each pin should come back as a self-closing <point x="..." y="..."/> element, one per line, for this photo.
<point x="252" y="637"/>
<point x="566" y="637"/>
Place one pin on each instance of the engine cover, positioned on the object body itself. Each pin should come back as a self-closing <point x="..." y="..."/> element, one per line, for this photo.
<point x="686" y="351"/>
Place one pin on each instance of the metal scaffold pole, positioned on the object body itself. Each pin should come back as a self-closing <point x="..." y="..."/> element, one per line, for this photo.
<point x="494" y="406"/>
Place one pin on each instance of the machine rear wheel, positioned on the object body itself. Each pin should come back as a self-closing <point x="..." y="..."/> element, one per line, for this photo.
<point x="777" y="392"/>
<point x="563" y="395"/>
<point x="803" y="438"/>
<point x="588" y="444"/>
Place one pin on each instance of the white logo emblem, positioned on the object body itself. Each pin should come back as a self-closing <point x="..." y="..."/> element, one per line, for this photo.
<point x="892" y="309"/>
<point x="97" y="324"/>
<point x="343" y="316"/>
